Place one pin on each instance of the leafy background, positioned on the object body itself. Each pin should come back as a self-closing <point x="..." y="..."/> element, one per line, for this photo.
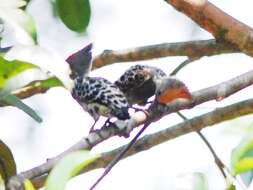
<point x="116" y="25"/>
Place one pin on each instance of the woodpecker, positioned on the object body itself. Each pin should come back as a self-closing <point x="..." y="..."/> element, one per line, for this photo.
<point x="100" y="97"/>
<point x="96" y="95"/>
<point x="138" y="83"/>
<point x="167" y="90"/>
<point x="170" y="89"/>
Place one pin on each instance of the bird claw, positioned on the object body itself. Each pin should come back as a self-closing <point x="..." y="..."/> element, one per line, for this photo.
<point x="107" y="124"/>
<point x="140" y="109"/>
<point x="124" y="133"/>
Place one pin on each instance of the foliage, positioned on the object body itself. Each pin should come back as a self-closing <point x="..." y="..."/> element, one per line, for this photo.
<point x="9" y="99"/>
<point x="21" y="22"/>
<point x="74" y="14"/>
<point x="67" y="167"/>
<point x="7" y="162"/>
<point x="9" y="69"/>
<point x="17" y="59"/>
<point x="242" y="158"/>
<point x="28" y="185"/>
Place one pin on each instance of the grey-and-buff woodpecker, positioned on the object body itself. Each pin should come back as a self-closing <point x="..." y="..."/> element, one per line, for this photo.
<point x="96" y="95"/>
<point x="138" y="83"/>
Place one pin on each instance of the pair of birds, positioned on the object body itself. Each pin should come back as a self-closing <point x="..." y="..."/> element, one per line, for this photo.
<point x="100" y="97"/>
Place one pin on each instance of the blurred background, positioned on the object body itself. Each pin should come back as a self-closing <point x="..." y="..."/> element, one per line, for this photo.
<point x="124" y="24"/>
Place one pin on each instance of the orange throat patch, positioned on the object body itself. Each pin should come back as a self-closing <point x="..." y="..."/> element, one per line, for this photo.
<point x="172" y="94"/>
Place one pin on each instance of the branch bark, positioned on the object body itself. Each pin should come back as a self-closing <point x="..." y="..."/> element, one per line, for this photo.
<point x="192" y="49"/>
<point x="206" y="120"/>
<point x="217" y="92"/>
<point x="223" y="26"/>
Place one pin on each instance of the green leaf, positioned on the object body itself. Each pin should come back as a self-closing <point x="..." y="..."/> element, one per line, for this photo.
<point x="26" y="5"/>
<point x="242" y="155"/>
<point x="28" y="25"/>
<point x="247" y="177"/>
<point x="200" y="181"/>
<point x="21" y="23"/>
<point x="191" y="181"/>
<point x="7" y="162"/>
<point x="50" y="82"/>
<point x="28" y="185"/>
<point x="74" y="14"/>
<point x="9" y="99"/>
<point x="36" y="87"/>
<point x="9" y="69"/>
<point x="2" y="185"/>
<point x="45" y="84"/>
<point x="46" y="60"/>
<point x="68" y="167"/>
<point x="243" y="165"/>
<point x="230" y="186"/>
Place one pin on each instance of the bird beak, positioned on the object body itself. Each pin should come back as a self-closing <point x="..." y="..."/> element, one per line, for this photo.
<point x="170" y="95"/>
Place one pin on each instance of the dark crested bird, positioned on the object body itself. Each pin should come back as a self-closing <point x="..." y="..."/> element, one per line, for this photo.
<point x="96" y="95"/>
<point x="138" y="83"/>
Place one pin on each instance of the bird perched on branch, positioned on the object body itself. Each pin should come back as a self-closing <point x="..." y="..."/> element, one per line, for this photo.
<point x="169" y="89"/>
<point x="96" y="95"/>
<point x="138" y="83"/>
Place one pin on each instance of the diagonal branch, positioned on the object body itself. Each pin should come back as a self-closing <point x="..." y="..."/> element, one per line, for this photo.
<point x="156" y="112"/>
<point x="148" y="141"/>
<point x="206" y="120"/>
<point x="192" y="49"/>
<point x="223" y="26"/>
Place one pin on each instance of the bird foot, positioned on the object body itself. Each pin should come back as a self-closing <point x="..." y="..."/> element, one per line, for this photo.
<point x="145" y="111"/>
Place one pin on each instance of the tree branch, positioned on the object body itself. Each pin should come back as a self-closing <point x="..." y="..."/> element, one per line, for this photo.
<point x="36" y="87"/>
<point x="206" y="120"/>
<point x="192" y="49"/>
<point x="148" y="141"/>
<point x="156" y="112"/>
<point x="223" y="26"/>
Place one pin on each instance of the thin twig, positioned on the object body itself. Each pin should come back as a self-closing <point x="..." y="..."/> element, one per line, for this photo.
<point x="119" y="156"/>
<point x="182" y="65"/>
<point x="218" y="161"/>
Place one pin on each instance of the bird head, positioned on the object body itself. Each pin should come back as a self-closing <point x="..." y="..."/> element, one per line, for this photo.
<point x="80" y="62"/>
<point x="170" y="89"/>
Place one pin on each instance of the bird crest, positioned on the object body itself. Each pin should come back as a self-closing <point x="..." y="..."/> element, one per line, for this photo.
<point x="80" y="62"/>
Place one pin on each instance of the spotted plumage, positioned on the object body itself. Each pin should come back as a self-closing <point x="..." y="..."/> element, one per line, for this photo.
<point x="138" y="83"/>
<point x="99" y="97"/>
<point x="96" y="95"/>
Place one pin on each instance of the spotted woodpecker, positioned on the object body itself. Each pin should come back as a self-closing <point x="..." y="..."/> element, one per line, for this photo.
<point x="168" y="89"/>
<point x="96" y="95"/>
<point x="138" y="83"/>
